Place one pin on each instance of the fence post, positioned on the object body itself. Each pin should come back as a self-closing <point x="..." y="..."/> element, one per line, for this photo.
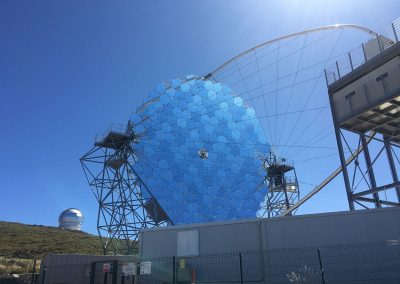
<point x="137" y="276"/>
<point x="33" y="271"/>
<point x="326" y="78"/>
<point x="351" y="61"/>
<point x="337" y="68"/>
<point x="364" y="53"/>
<point x="379" y="43"/>
<point x="44" y="274"/>
<point x="115" y="272"/>
<point x="268" y="266"/>
<point x="321" y="267"/>
<point x="395" y="33"/>
<point x="173" y="269"/>
<point x="241" y="268"/>
<point x="92" y="272"/>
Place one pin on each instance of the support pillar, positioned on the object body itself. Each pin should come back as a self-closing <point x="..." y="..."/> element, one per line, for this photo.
<point x="370" y="171"/>
<point x="392" y="166"/>
<point x="344" y="168"/>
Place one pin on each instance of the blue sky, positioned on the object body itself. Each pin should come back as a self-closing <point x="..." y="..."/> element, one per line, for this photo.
<point x="70" y="68"/>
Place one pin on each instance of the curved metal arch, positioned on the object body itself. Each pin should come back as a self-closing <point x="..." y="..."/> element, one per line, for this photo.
<point x="359" y="150"/>
<point x="313" y="30"/>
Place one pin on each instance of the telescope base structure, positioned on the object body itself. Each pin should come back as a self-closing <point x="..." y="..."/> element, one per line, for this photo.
<point x="123" y="210"/>
<point x="365" y="107"/>
<point x="281" y="184"/>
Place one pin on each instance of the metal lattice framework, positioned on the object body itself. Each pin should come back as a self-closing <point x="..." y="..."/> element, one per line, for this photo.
<point x="141" y="175"/>
<point x="365" y="106"/>
<point x="365" y="186"/>
<point x="282" y="186"/>
<point x="123" y="210"/>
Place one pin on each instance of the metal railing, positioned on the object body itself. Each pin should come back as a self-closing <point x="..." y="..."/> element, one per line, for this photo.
<point x="358" y="56"/>
<point x="114" y="127"/>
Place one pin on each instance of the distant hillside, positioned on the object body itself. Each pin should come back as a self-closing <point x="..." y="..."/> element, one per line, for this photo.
<point x="33" y="241"/>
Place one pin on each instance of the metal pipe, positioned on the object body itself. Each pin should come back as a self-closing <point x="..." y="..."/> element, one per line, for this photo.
<point x="376" y="189"/>
<point x="388" y="203"/>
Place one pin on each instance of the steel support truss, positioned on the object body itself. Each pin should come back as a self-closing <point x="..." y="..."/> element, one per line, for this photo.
<point x="123" y="209"/>
<point x="365" y="107"/>
<point x="366" y="177"/>
<point x="282" y="187"/>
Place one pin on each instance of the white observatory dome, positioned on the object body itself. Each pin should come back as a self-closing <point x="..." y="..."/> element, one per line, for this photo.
<point x="70" y="219"/>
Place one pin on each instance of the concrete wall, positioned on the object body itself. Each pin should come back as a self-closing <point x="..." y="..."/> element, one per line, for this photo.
<point x="317" y="230"/>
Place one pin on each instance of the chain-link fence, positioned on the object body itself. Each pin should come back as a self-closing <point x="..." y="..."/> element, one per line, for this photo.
<point x="19" y="270"/>
<point x="356" y="263"/>
<point x="86" y="269"/>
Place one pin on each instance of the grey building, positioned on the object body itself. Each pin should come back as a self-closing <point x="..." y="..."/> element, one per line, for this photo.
<point x="340" y="247"/>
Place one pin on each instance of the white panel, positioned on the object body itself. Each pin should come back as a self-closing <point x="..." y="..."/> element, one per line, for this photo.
<point x="129" y="268"/>
<point x="188" y="243"/>
<point x="145" y="267"/>
<point x="372" y="48"/>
